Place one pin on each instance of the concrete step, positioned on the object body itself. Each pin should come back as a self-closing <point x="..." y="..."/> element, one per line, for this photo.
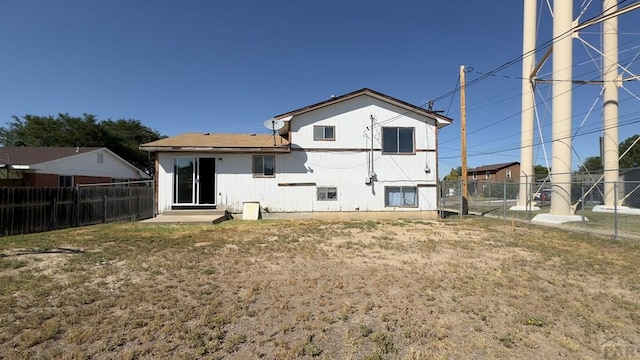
<point x="190" y="217"/>
<point x="188" y="212"/>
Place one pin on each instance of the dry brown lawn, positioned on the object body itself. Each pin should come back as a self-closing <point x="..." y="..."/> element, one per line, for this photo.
<point x="290" y="289"/>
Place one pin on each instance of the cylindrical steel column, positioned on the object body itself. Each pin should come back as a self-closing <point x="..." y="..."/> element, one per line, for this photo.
<point x="527" y="116"/>
<point x="561" y="111"/>
<point x="610" y="102"/>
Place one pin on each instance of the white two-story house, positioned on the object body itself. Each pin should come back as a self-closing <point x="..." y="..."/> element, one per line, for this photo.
<point x="362" y="151"/>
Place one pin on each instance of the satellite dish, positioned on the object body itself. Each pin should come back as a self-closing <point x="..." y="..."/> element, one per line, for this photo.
<point x="274" y="124"/>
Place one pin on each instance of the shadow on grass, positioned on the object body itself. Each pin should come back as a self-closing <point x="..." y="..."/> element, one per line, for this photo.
<point x="56" y="250"/>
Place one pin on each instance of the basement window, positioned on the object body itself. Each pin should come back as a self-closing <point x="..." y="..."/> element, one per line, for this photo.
<point x="327" y="193"/>
<point x="401" y="196"/>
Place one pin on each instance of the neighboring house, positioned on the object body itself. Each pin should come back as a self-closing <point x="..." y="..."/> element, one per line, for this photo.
<point x="363" y="151"/>
<point x="479" y="177"/>
<point x="495" y="172"/>
<point x="63" y="166"/>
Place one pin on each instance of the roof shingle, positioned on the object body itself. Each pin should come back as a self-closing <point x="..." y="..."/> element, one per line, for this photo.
<point x="27" y="155"/>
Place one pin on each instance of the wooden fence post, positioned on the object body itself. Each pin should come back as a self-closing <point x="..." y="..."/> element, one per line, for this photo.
<point x="104" y="214"/>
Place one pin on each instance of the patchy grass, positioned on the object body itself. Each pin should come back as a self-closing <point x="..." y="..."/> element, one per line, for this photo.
<point x="473" y="288"/>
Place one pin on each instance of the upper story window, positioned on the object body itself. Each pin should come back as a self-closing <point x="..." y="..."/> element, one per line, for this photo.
<point x="508" y="174"/>
<point x="65" y="181"/>
<point x="487" y="175"/>
<point x="264" y="165"/>
<point x="322" y="132"/>
<point x="398" y="140"/>
<point x="100" y="158"/>
<point x="475" y="176"/>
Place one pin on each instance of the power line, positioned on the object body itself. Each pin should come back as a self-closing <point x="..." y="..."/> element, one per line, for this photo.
<point x="519" y="58"/>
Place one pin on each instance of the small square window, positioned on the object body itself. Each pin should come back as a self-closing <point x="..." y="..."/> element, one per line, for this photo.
<point x="327" y="193"/>
<point x="65" y="181"/>
<point x="264" y="166"/>
<point x="324" y="132"/>
<point x="401" y="196"/>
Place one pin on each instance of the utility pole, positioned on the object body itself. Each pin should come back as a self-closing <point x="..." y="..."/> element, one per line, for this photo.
<point x="463" y="137"/>
<point x="610" y="79"/>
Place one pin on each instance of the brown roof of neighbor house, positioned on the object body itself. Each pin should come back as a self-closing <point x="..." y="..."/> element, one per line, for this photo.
<point x="373" y="93"/>
<point x="493" y="167"/>
<point x="218" y="142"/>
<point x="28" y="155"/>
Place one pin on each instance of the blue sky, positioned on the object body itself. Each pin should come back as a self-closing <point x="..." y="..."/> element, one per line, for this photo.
<point x="226" y="66"/>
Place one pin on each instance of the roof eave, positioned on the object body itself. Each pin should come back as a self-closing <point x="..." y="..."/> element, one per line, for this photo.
<point x="366" y="91"/>
<point x="212" y="149"/>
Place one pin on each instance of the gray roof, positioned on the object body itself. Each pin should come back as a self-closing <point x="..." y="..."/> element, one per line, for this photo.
<point x="493" y="167"/>
<point x="26" y="155"/>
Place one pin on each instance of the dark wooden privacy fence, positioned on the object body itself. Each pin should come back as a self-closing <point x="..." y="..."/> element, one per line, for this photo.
<point x="26" y="210"/>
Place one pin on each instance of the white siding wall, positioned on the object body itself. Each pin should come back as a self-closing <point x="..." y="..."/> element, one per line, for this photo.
<point x="87" y="164"/>
<point x="342" y="163"/>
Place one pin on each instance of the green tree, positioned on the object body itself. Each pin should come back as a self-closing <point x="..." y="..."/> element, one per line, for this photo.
<point x="591" y="164"/>
<point x="540" y="171"/>
<point x="632" y="159"/>
<point x="454" y="174"/>
<point x="122" y="136"/>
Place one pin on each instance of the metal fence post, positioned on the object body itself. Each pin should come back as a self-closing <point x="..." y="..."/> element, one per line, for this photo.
<point x="584" y="222"/>
<point x="529" y="200"/>
<point x="615" y="210"/>
<point x="504" y="200"/>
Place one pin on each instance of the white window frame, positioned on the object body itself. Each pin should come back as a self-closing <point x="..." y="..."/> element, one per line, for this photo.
<point x="487" y="174"/>
<point x="508" y="174"/>
<point x="397" y="139"/>
<point x="324" y="136"/>
<point x="323" y="193"/>
<point x="262" y="174"/>
<point x="404" y="199"/>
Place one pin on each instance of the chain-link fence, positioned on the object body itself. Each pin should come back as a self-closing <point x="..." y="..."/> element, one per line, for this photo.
<point x="591" y="203"/>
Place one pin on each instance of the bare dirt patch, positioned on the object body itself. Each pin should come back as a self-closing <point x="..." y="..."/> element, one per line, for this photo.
<point x="314" y="289"/>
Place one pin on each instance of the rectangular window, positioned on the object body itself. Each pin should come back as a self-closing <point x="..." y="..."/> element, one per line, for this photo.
<point x="508" y="174"/>
<point x="475" y="176"/>
<point x="324" y="132"/>
<point x="327" y="193"/>
<point x="487" y="175"/>
<point x="397" y="140"/>
<point x="264" y="165"/>
<point x="401" y="196"/>
<point x="100" y="158"/>
<point x="65" y="181"/>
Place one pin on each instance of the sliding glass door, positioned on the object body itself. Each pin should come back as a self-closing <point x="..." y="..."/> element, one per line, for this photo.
<point x="194" y="181"/>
